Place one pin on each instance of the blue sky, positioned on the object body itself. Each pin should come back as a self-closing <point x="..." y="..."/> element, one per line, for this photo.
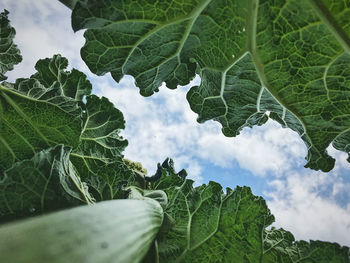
<point x="269" y="159"/>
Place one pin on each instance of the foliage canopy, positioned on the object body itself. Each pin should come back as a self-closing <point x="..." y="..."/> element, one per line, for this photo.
<point x="60" y="146"/>
<point x="288" y="58"/>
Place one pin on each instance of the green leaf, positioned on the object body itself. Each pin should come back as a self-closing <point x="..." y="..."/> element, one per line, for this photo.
<point x="204" y="224"/>
<point x="34" y="118"/>
<point x="290" y="58"/>
<point x="280" y="246"/>
<point x="100" y="139"/>
<point x="111" y="231"/>
<point x="166" y="177"/>
<point x="9" y="53"/>
<point x="101" y="147"/>
<point x="213" y="227"/>
<point x="46" y="182"/>
<point x="42" y="111"/>
<point x="53" y="107"/>
<point x="73" y="84"/>
<point x="109" y="181"/>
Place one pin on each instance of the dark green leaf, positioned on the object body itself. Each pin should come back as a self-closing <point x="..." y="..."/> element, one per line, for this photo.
<point x="213" y="227"/>
<point x="9" y="53"/>
<point x="46" y="182"/>
<point x="290" y="58"/>
<point x="100" y="139"/>
<point x="51" y="108"/>
<point x="166" y="177"/>
<point x="280" y="247"/>
<point x="52" y="70"/>
<point x="33" y="118"/>
<point x="110" y="181"/>
<point x="42" y="111"/>
<point x="101" y="148"/>
<point x="204" y="224"/>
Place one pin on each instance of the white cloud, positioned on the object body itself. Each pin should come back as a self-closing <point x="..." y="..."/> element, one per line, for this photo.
<point x="341" y="158"/>
<point x="261" y="150"/>
<point x="302" y="205"/>
<point x="43" y="29"/>
<point x="157" y="127"/>
<point x="163" y="125"/>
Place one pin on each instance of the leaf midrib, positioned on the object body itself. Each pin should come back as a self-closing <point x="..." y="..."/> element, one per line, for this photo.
<point x="332" y="25"/>
<point x="188" y="237"/>
<point x="192" y="17"/>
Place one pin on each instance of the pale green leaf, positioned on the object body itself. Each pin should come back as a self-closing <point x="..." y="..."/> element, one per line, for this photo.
<point x="118" y="231"/>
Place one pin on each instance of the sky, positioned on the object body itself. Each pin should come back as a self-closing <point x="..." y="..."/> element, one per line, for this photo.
<point x="269" y="159"/>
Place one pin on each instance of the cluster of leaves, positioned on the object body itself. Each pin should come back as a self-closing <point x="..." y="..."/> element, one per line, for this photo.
<point x="55" y="138"/>
<point x="60" y="146"/>
<point x="288" y="58"/>
<point x="204" y="224"/>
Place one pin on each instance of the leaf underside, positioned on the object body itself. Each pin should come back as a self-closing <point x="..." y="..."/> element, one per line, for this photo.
<point x="42" y="111"/>
<point x="101" y="145"/>
<point x="34" y="118"/>
<point x="9" y="53"/>
<point x="290" y="58"/>
<point x="48" y="181"/>
<point x="207" y="225"/>
<point x="40" y="115"/>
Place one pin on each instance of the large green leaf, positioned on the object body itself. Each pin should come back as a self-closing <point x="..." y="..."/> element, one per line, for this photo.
<point x="204" y="224"/>
<point x="109" y="181"/>
<point x="9" y="53"/>
<point x="98" y="158"/>
<point x="290" y="58"/>
<point x="51" y="108"/>
<point x="101" y="143"/>
<point x="41" y="111"/>
<point x="46" y="182"/>
<point x="280" y="246"/>
<point x="33" y="118"/>
<point x="212" y="227"/>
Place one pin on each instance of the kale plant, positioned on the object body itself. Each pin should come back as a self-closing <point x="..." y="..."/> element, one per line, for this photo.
<point x="60" y="146"/>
